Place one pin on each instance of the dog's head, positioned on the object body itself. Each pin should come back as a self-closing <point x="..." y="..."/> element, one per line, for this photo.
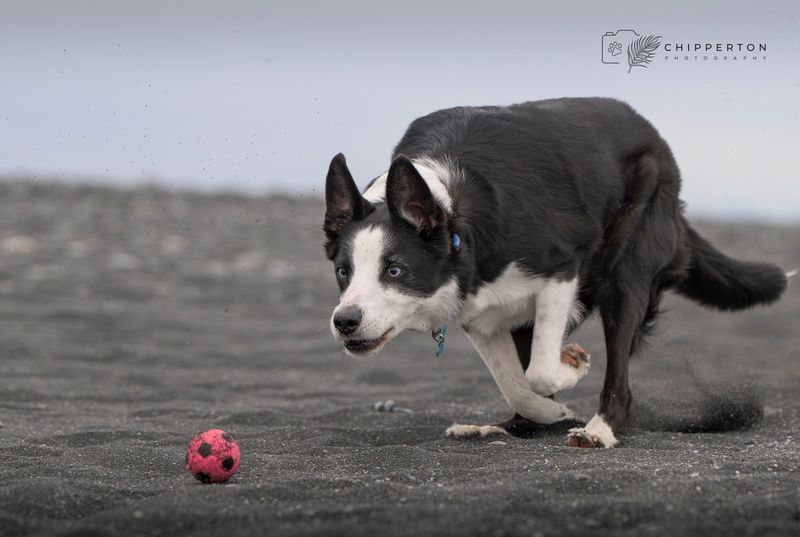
<point x="394" y="260"/>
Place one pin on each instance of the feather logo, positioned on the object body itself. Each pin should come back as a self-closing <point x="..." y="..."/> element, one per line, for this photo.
<point x="641" y="51"/>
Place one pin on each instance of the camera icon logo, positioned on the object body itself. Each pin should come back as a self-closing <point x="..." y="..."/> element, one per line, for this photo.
<point x="641" y="49"/>
<point x="615" y="43"/>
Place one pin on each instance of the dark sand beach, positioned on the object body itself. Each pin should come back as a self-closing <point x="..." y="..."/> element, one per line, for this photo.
<point x="131" y="320"/>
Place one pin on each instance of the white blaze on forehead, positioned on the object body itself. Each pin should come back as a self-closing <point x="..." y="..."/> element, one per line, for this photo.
<point x="367" y="250"/>
<point x="436" y="175"/>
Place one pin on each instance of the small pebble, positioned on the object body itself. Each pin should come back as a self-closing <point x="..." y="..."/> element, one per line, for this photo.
<point x="389" y="406"/>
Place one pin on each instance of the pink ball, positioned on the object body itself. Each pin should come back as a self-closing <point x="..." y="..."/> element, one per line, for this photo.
<point x="213" y="456"/>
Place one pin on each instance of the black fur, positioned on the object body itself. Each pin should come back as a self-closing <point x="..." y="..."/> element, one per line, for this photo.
<point x="344" y="203"/>
<point x="723" y="283"/>
<point x="561" y="187"/>
<point x="409" y="198"/>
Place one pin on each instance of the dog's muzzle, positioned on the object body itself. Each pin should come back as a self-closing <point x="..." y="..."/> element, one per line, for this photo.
<point x="347" y="319"/>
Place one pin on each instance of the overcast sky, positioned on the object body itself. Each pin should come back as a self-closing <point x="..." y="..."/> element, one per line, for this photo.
<point x="258" y="96"/>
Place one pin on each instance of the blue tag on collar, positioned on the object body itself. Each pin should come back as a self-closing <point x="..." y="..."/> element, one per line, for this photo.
<point x="438" y="336"/>
<point x="456" y="241"/>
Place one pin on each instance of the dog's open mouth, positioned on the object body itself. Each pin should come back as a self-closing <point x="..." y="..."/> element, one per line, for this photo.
<point x="363" y="346"/>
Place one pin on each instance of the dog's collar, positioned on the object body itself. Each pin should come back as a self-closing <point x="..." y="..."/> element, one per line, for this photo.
<point x="440" y="333"/>
<point x="438" y="336"/>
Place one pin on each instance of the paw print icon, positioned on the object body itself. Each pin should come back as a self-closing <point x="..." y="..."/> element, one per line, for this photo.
<point x="614" y="43"/>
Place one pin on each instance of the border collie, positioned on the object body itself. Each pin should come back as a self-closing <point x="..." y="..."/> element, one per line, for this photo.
<point x="517" y="223"/>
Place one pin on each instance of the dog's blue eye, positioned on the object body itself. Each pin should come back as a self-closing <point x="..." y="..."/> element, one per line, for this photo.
<point x="393" y="271"/>
<point x="341" y="272"/>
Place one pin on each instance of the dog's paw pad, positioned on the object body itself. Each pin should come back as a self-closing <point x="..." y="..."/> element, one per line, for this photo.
<point x="473" y="431"/>
<point x="576" y="356"/>
<point x="579" y="438"/>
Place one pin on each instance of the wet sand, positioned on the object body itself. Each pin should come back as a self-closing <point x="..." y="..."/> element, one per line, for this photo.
<point x="131" y="320"/>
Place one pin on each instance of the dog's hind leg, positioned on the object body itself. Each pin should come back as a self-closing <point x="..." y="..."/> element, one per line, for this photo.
<point x="629" y="307"/>
<point x="620" y="324"/>
<point x="638" y="253"/>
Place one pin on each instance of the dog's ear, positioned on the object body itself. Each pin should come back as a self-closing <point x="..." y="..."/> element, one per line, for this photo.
<point x="409" y="197"/>
<point x="342" y="199"/>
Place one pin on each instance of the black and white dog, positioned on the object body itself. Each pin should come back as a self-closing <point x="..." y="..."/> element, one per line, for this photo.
<point x="518" y="222"/>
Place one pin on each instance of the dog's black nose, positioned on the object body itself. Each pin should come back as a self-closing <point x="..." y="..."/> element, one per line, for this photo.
<point x="347" y="319"/>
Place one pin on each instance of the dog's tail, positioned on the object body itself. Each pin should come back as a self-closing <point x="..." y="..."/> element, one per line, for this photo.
<point x="720" y="282"/>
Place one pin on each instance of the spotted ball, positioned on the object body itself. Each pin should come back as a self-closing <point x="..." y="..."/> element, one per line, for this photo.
<point x="213" y="456"/>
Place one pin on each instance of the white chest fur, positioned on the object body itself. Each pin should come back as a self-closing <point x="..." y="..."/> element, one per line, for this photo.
<point x="509" y="301"/>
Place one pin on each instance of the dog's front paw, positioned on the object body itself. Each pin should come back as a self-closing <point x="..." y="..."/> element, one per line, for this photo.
<point x="574" y="355"/>
<point x="458" y="430"/>
<point x="547" y="378"/>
